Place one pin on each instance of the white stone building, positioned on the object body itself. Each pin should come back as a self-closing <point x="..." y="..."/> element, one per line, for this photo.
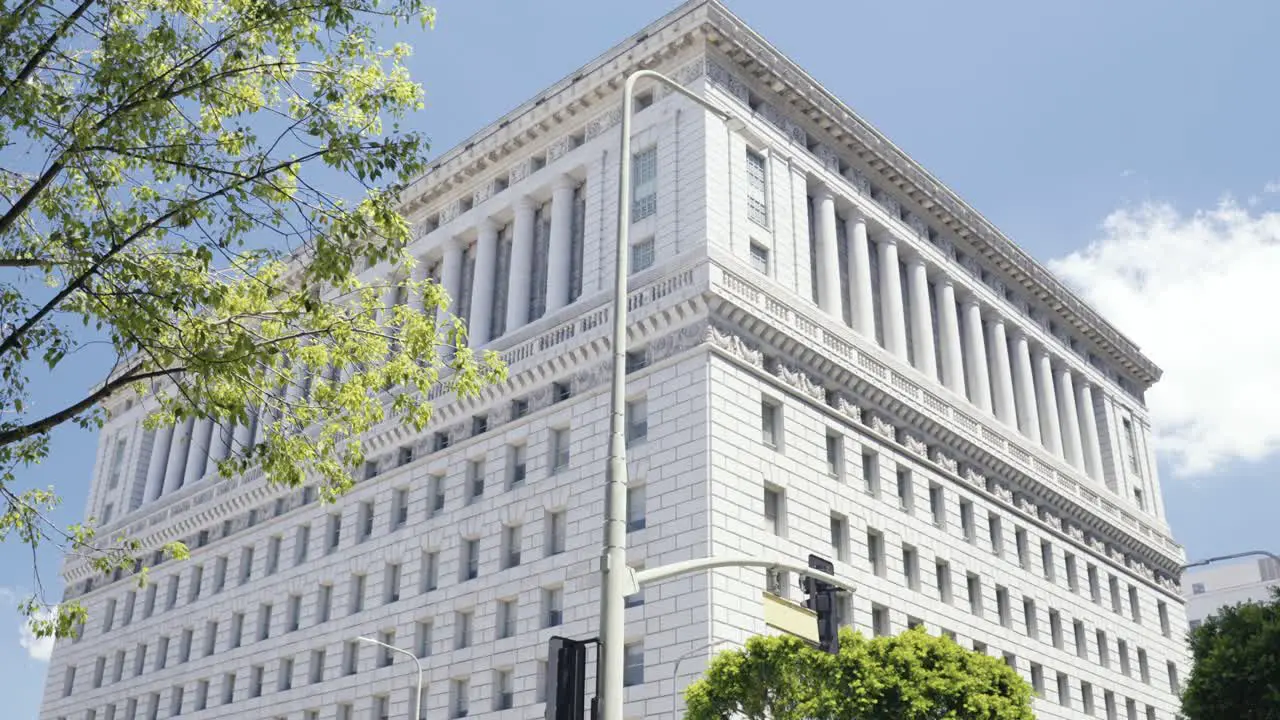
<point x="1209" y="589"/>
<point x="830" y="352"/>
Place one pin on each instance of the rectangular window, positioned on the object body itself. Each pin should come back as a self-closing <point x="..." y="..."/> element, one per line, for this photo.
<point x="840" y="537"/>
<point x="301" y="539"/>
<point x="1073" y="576"/>
<point x="974" y="585"/>
<point x="1030" y="618"/>
<point x="1109" y="703"/>
<point x="760" y="258"/>
<point x="555" y="532"/>
<point x="771" y="423"/>
<point x="391" y="583"/>
<point x="637" y="416"/>
<point x="871" y="473"/>
<point x="462" y="623"/>
<point x="237" y="630"/>
<point x="385" y="655"/>
<point x="1047" y="561"/>
<point x="284" y="675"/>
<point x="1131" y="447"/>
<point x="503" y="690"/>
<point x="264" y="621"/>
<point x="357" y="594"/>
<point x="460" y="698"/>
<point x="228" y="688"/>
<point x="1064" y="690"/>
<point x="162" y="652"/>
<point x="512" y="542"/>
<point x="1122" y="652"/>
<point x="942" y="576"/>
<point x="317" y="666"/>
<point x="633" y="667"/>
<point x="202" y="695"/>
<point x="995" y="532"/>
<point x="910" y="567"/>
<point x="1023" y="545"/>
<point x="68" y="680"/>
<point x="422" y="639"/>
<point x="906" y="490"/>
<point x="470" y="569"/>
<point x="273" y="554"/>
<point x="938" y="505"/>
<point x="642" y="255"/>
<point x="636" y="508"/>
<point x="774" y="511"/>
<point x="108" y="615"/>
<point x="197" y="578"/>
<point x="637" y="360"/>
<point x="1002" y="606"/>
<point x="635" y="599"/>
<point x="967" y="525"/>
<point x="1174" y="686"/>
<point x="404" y="456"/>
<point x="757" y="189"/>
<point x="644" y="184"/>
<point x="1055" y="628"/>
<point x="324" y="599"/>
<point x="1086" y="697"/>
<point x="517" y="466"/>
<point x="335" y="532"/>
<point x="171" y="593"/>
<point x="399" y="508"/>
<point x="294" y="617"/>
<point x="1095" y="586"/>
<point x="1144" y="669"/>
<point x="1082" y="640"/>
<point x="1135" y="605"/>
<point x="875" y="552"/>
<point x="435" y="486"/>
<point x="475" y="480"/>
<point x="835" y="454"/>
<point x="351" y="657"/>
<point x="879" y="620"/>
<point x="1163" y="611"/>
<point x="1113" y="584"/>
<point x="184" y="645"/>
<point x="508" y="614"/>
<point x="1037" y="679"/>
<point x="552" y="606"/>
<point x="210" y="638"/>
<point x="560" y="449"/>
<point x="149" y="603"/>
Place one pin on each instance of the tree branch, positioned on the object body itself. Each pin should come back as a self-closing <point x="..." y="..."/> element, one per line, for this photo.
<point x="34" y="61"/>
<point x="22" y="432"/>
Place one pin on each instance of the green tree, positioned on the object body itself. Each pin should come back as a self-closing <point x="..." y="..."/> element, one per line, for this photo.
<point x="170" y="177"/>
<point x="1236" y="664"/>
<point x="912" y="676"/>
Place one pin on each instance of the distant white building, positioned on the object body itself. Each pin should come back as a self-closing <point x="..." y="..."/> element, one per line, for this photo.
<point x="1209" y="588"/>
<point x="830" y="353"/>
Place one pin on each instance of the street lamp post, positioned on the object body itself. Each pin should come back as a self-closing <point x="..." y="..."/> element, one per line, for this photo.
<point x="614" y="579"/>
<point x="1232" y="556"/>
<point x="415" y="711"/>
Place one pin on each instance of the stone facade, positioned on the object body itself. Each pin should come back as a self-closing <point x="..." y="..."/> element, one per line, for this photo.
<point x="756" y="384"/>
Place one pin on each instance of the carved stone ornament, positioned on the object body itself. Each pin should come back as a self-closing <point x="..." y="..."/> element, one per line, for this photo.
<point x="421" y="229"/>
<point x="998" y="286"/>
<point x="774" y="116"/>
<point x="603" y="122"/>
<point x="828" y="157"/>
<point x="726" y="80"/>
<point x="888" y="202"/>
<point x="1075" y="532"/>
<point x="558" y="148"/>
<point x="1115" y="553"/>
<point x="918" y="225"/>
<point x="846" y="406"/>
<point x="1166" y="582"/>
<point x="943" y="460"/>
<point x="457" y="433"/>
<point x="970" y="263"/>
<point x="1003" y="492"/>
<point x="973" y="477"/>
<point x="859" y="181"/>
<point x="915" y="444"/>
<point x="880" y="425"/>
<point x="1096" y="544"/>
<point x="799" y="380"/>
<point x="674" y="343"/>
<point x="796" y="133"/>
<point x="519" y="171"/>
<point x="539" y="398"/>
<point x="948" y="248"/>
<point x="1026" y="505"/>
<point x="482" y="193"/>
<point x="450" y="211"/>
<point x="734" y="346"/>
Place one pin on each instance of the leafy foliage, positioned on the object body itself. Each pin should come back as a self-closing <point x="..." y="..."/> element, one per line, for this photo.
<point x="1236" y="670"/>
<point x="912" y="676"/>
<point x="167" y="175"/>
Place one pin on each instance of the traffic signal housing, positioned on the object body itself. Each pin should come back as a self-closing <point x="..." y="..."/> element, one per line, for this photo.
<point x="566" y="678"/>
<point x="822" y="600"/>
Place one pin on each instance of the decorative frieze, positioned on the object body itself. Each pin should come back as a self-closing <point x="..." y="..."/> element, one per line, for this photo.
<point x="828" y="157"/>
<point x="602" y="122"/>
<point x="918" y="226"/>
<point x="915" y="444"/>
<point x="859" y="181"/>
<point x="973" y="477"/>
<point x="798" y="379"/>
<point x="691" y="71"/>
<point x="1026" y="505"/>
<point x="846" y="406"/>
<point x="879" y="424"/>
<point x="888" y="202"/>
<point x="674" y="343"/>
<point x="521" y="170"/>
<point x="559" y="148"/>
<point x="1002" y="492"/>
<point x="943" y="460"/>
<point x="482" y="193"/>
<point x="1075" y="532"/>
<point x="734" y="346"/>
<point x="728" y="81"/>
<point x="450" y="211"/>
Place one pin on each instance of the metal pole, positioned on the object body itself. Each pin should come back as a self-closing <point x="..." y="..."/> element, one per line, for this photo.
<point x="1232" y="556"/>
<point x="613" y="560"/>
<point x="415" y="709"/>
<point x="675" y="674"/>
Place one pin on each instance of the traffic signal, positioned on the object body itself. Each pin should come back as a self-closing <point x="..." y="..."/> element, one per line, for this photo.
<point x="566" y="678"/>
<point x="822" y="600"/>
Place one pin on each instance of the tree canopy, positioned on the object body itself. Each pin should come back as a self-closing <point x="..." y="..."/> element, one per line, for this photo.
<point x="175" y="187"/>
<point x="1236" y="664"/>
<point x="911" y="676"/>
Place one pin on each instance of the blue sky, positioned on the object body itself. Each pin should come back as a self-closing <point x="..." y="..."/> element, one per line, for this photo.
<point x="1130" y="145"/>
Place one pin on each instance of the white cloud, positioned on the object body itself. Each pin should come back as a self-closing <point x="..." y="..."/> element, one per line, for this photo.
<point x="1198" y="293"/>
<point x="38" y="648"/>
<point x="1272" y="187"/>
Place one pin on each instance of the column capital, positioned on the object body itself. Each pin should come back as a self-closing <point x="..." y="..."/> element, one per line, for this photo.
<point x="486" y="226"/>
<point x="945" y="280"/>
<point x="913" y="259"/>
<point x="969" y="299"/>
<point x="886" y="238"/>
<point x="525" y="202"/>
<point x="995" y="319"/>
<point x="1040" y="352"/>
<point x="564" y="182"/>
<point x="822" y="192"/>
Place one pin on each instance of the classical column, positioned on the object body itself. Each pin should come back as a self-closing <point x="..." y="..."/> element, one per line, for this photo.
<point x="921" y="319"/>
<point x="1050" y="434"/>
<point x="1089" y="430"/>
<point x="451" y="273"/>
<point x="1069" y="419"/>
<point x="1001" y="372"/>
<point x="198" y="450"/>
<point x="242" y="435"/>
<point x="949" y="336"/>
<point x="177" y="456"/>
<point x="863" y="314"/>
<point x="482" y="283"/>
<point x="1024" y="388"/>
<point x="521" y="266"/>
<point x="892" y="313"/>
<point x="978" y="376"/>
<point x="559" y="257"/>
<point x="828" y="255"/>
<point x="159" y="461"/>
